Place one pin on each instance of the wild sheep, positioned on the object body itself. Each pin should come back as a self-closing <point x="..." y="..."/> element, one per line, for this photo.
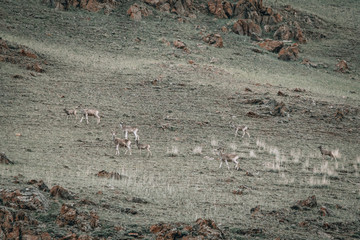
<point x="243" y="128"/>
<point x="70" y="112"/>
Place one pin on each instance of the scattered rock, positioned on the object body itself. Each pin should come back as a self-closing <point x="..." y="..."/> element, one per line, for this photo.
<point x="202" y="229"/>
<point x="40" y="184"/>
<point x="253" y="115"/>
<point x="308" y="63"/>
<point x="28" y="54"/>
<point x="18" y="225"/>
<point x="255" y="101"/>
<point x="214" y="40"/>
<point x="69" y="216"/>
<point x="289" y="53"/>
<point x="246" y="27"/>
<point x="280" y="109"/>
<point x="286" y="32"/>
<point x="4" y="159"/>
<point x="281" y="94"/>
<point x="310" y="202"/>
<point x="35" y="67"/>
<point x="181" y="45"/>
<point x="342" y="67"/>
<point x="220" y="8"/>
<point x="299" y="90"/>
<point x="110" y="175"/>
<point x="271" y="45"/>
<point x="136" y="12"/>
<point x="179" y="7"/>
<point x="27" y="198"/>
<point x="89" y="5"/>
<point x="60" y="192"/>
<point x="323" y="211"/>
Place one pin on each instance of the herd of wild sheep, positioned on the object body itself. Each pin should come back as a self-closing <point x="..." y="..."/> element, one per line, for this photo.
<point x="126" y="143"/>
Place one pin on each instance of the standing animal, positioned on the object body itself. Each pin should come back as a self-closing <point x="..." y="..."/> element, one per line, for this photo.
<point x="243" y="128"/>
<point x="325" y="152"/>
<point x="90" y="112"/>
<point x="121" y="143"/>
<point x="228" y="157"/>
<point x="144" y="146"/>
<point x="129" y="129"/>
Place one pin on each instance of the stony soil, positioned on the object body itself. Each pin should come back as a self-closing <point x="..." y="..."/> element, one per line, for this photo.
<point x="182" y="102"/>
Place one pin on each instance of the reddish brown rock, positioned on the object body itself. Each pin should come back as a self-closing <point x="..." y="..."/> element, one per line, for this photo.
<point x="271" y="45"/>
<point x="181" y="45"/>
<point x="28" y="54"/>
<point x="69" y="216"/>
<point x="28" y="198"/>
<point x="40" y="185"/>
<point x="246" y="27"/>
<point x="342" y="66"/>
<point x="202" y="229"/>
<point x="136" y="12"/>
<point x="214" y="40"/>
<point x="112" y="175"/>
<point x="179" y="7"/>
<point x="309" y="202"/>
<point x="220" y="8"/>
<point x="89" y="5"/>
<point x="286" y="32"/>
<point x="60" y="192"/>
<point x="289" y="53"/>
<point x="35" y="67"/>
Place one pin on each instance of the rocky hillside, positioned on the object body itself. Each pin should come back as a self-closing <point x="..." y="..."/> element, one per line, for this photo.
<point x="263" y="82"/>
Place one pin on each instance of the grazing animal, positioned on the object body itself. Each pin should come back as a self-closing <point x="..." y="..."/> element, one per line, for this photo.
<point x="121" y="143"/>
<point x="70" y="112"/>
<point x="325" y="152"/>
<point x="129" y="129"/>
<point x="144" y="146"/>
<point x="243" y="128"/>
<point x="90" y="112"/>
<point x="228" y="157"/>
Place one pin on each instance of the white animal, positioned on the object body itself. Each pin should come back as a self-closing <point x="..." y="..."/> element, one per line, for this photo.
<point x="122" y="143"/>
<point x="243" y="128"/>
<point x="90" y="112"/>
<point x="129" y="129"/>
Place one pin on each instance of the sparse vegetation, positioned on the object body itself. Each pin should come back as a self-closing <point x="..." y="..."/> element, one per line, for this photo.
<point x="182" y="102"/>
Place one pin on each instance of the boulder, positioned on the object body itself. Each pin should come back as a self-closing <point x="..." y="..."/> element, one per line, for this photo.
<point x="28" y="198"/>
<point x="180" y="7"/>
<point x="271" y="45"/>
<point x="70" y="216"/>
<point x="342" y="66"/>
<point x="246" y="27"/>
<point x="136" y="12"/>
<point x="221" y="9"/>
<point x="89" y="5"/>
<point x="60" y="192"/>
<point x="214" y="40"/>
<point x="202" y="229"/>
<point x="289" y="53"/>
<point x="293" y="32"/>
